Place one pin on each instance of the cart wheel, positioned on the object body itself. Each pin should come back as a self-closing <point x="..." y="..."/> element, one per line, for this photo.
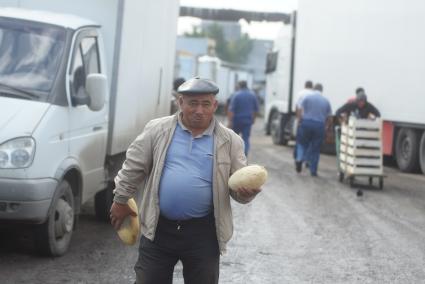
<point x="370" y="181"/>
<point x="351" y="181"/>
<point x="341" y="177"/>
<point x="381" y="183"/>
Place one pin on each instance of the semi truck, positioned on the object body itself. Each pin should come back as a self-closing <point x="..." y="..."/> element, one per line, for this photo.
<point x="348" y="44"/>
<point x="78" y="82"/>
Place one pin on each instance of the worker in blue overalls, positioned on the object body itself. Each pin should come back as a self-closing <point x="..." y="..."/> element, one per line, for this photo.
<point x="315" y="118"/>
<point x="242" y="112"/>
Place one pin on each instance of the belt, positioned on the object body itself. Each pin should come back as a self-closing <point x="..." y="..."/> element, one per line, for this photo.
<point x="193" y="222"/>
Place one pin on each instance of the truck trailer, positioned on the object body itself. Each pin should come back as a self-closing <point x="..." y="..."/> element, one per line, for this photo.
<point x="225" y="74"/>
<point x="78" y="82"/>
<point x="348" y="44"/>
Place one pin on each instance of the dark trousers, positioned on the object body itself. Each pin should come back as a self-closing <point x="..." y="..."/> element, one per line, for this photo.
<point x="311" y="135"/>
<point x="243" y="128"/>
<point x="193" y="242"/>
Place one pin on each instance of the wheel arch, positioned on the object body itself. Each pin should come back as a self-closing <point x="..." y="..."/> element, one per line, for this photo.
<point x="71" y="172"/>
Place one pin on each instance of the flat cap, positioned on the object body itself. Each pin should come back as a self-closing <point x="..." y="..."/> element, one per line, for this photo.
<point x="197" y="86"/>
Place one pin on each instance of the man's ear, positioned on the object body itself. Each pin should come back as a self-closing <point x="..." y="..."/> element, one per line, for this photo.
<point x="180" y="100"/>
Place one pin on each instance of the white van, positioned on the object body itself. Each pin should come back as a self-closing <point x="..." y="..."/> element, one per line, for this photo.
<point x="65" y="119"/>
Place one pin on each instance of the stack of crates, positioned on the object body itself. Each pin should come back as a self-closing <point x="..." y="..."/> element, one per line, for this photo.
<point x="361" y="148"/>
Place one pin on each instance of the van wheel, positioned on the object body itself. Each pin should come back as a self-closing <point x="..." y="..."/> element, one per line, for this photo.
<point x="407" y="150"/>
<point x="103" y="202"/>
<point x="422" y="153"/>
<point x="54" y="236"/>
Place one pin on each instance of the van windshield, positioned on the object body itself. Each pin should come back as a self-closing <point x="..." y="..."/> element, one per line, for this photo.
<point x="30" y="55"/>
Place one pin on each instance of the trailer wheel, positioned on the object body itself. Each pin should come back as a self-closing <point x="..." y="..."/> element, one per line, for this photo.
<point x="407" y="150"/>
<point x="370" y="181"/>
<point x="422" y="153"/>
<point x="103" y="202"/>
<point x="381" y="183"/>
<point x="53" y="237"/>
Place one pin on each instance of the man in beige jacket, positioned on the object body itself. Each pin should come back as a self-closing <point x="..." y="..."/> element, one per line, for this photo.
<point x="184" y="162"/>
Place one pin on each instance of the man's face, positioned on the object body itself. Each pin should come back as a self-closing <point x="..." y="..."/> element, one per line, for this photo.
<point x="361" y="103"/>
<point x="198" y="110"/>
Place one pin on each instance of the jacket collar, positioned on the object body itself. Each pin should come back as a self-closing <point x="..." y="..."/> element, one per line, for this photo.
<point x="221" y="133"/>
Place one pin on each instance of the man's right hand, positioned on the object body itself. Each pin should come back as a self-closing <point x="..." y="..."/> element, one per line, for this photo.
<point x="118" y="212"/>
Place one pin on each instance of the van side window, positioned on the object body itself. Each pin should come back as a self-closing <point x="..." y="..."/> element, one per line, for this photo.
<point x="85" y="62"/>
<point x="78" y="75"/>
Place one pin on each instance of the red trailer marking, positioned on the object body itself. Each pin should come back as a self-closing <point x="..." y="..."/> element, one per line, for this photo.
<point x="388" y="137"/>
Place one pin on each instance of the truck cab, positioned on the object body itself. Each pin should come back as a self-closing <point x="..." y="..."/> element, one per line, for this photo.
<point x="278" y="101"/>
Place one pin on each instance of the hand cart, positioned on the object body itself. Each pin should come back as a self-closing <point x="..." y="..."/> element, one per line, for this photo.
<point x="359" y="151"/>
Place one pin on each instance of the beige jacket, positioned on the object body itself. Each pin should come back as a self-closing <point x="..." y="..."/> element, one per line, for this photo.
<point x="144" y="163"/>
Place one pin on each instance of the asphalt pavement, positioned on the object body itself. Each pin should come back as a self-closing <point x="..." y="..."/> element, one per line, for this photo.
<point x="300" y="229"/>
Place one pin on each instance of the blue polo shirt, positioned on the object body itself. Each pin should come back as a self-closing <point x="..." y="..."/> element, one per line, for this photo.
<point x="316" y="107"/>
<point x="243" y="105"/>
<point x="185" y="189"/>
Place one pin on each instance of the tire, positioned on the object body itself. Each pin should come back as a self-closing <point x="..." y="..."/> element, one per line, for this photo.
<point x="275" y="128"/>
<point x="381" y="183"/>
<point x="103" y="202"/>
<point x="54" y="236"/>
<point x="407" y="150"/>
<point x="422" y="153"/>
<point x="277" y="131"/>
<point x="269" y="122"/>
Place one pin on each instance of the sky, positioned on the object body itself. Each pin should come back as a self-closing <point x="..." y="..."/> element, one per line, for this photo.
<point x="259" y="30"/>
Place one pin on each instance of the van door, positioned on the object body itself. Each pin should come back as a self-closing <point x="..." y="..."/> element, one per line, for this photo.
<point x="87" y="128"/>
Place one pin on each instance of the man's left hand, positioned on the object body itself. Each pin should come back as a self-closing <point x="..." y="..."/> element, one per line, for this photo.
<point x="248" y="193"/>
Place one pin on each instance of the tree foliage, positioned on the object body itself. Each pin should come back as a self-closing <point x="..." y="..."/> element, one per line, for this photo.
<point x="236" y="51"/>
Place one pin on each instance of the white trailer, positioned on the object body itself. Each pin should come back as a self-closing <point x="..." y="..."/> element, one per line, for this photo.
<point x="225" y="74"/>
<point x="375" y="45"/>
<point x="78" y="82"/>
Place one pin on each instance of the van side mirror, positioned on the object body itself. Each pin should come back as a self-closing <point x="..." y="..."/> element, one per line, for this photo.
<point x="97" y="89"/>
